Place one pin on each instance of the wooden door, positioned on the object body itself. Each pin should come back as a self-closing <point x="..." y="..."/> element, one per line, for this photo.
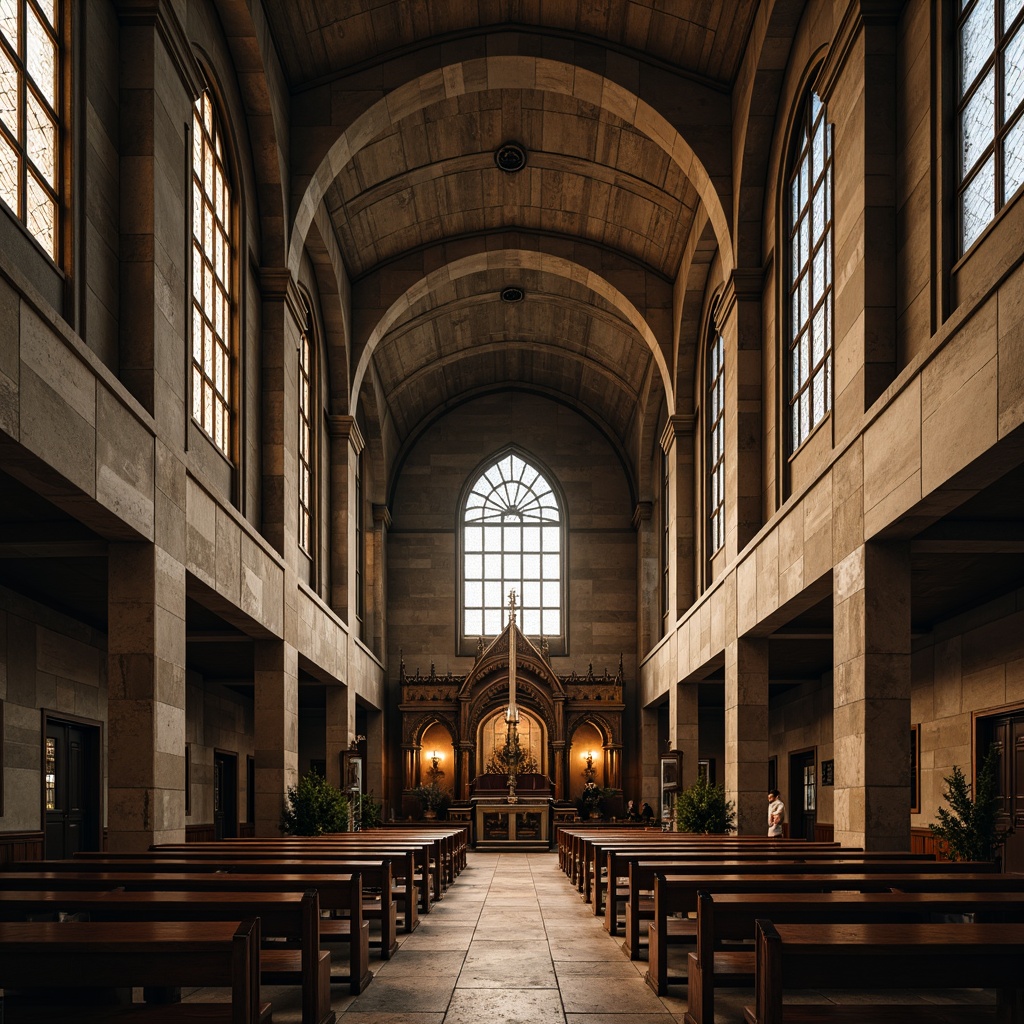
<point x="71" y="788"/>
<point x="1005" y="733"/>
<point x="801" y="809"/>
<point x="225" y="795"/>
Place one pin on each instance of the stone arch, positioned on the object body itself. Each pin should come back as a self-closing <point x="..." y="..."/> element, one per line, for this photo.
<point x="541" y="262"/>
<point x="601" y="723"/>
<point x="508" y="72"/>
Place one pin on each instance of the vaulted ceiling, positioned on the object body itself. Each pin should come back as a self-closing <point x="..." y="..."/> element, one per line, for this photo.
<point x="599" y="191"/>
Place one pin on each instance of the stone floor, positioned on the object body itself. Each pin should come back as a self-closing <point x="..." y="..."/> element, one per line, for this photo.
<point x="513" y="943"/>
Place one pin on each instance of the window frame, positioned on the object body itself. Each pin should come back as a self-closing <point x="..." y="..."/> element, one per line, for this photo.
<point x="962" y="95"/>
<point x="227" y="342"/>
<point x="665" y="545"/>
<point x="59" y="111"/>
<point x="466" y="644"/>
<point x="715" y="426"/>
<point x="802" y="337"/>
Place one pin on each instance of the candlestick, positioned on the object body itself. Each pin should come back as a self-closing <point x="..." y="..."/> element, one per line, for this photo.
<point x="512" y="714"/>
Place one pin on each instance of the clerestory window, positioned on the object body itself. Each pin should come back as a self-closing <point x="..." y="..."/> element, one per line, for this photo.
<point x="32" y="63"/>
<point x="990" y="114"/>
<point x="512" y="539"/>
<point x="716" y="442"/>
<point x="808" y="271"/>
<point x="212" y="276"/>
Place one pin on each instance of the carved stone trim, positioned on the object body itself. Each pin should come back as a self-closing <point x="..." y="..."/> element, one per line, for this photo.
<point x="278" y="285"/>
<point x="858" y="15"/>
<point x="676" y="427"/>
<point x="643" y="512"/>
<point x="159" y="14"/>
<point x="382" y="514"/>
<point x="345" y="427"/>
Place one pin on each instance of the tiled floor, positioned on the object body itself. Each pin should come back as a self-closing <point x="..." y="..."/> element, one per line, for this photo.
<point x="513" y="943"/>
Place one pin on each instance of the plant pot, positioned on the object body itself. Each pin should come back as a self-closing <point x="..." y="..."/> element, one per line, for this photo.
<point x="430" y="815"/>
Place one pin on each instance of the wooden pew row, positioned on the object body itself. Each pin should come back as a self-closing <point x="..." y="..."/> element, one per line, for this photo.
<point x="291" y="916"/>
<point x="87" y="954"/>
<point x="617" y="860"/>
<point x="408" y="871"/>
<point x="411" y="870"/>
<point x="640" y="909"/>
<point x="455" y="835"/>
<point x="676" y="897"/>
<point x="791" y="957"/>
<point x="727" y="917"/>
<point x="336" y="891"/>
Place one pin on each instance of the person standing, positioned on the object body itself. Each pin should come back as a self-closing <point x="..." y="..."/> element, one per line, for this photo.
<point x="776" y="814"/>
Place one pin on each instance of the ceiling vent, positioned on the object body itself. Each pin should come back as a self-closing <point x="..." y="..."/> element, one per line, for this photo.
<point x="512" y="294"/>
<point x="510" y="157"/>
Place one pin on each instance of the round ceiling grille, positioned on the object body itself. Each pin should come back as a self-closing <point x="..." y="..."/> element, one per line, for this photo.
<point x="512" y="294"/>
<point x="510" y="157"/>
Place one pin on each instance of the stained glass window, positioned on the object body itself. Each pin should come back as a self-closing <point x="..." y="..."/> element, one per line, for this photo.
<point x="212" y="259"/>
<point x="809" y="273"/>
<point x="989" y="115"/>
<point x="305" y="438"/>
<point x="31" y="66"/>
<point x="716" y="441"/>
<point x="511" y="540"/>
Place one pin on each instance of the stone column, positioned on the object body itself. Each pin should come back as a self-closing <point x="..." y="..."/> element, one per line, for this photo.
<point x="283" y="318"/>
<point x="650" y="783"/>
<point x="341" y="721"/>
<point x="648" y="595"/>
<point x="683" y="728"/>
<point x="159" y="83"/>
<point x="558" y="754"/>
<point x="146" y="698"/>
<point x="746" y="732"/>
<point x="276" y="686"/>
<point x="375" y="580"/>
<point x="677" y="444"/>
<point x="871" y="695"/>
<point x="858" y="84"/>
<point x="346" y="445"/>
<point x="740" y="322"/>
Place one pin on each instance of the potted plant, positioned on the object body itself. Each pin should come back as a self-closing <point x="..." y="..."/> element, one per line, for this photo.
<point x="314" y="808"/>
<point x="968" y="830"/>
<point x="433" y="800"/>
<point x="703" y="808"/>
<point x="591" y="802"/>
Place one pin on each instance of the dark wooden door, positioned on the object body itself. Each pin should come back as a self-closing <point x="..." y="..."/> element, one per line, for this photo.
<point x="71" y="788"/>
<point x="801" y="809"/>
<point x="1005" y="733"/>
<point x="225" y="795"/>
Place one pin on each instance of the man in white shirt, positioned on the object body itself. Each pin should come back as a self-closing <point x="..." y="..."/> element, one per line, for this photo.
<point x="776" y="814"/>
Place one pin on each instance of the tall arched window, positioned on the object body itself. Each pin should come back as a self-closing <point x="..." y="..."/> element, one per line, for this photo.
<point x="990" y="115"/>
<point x="512" y="540"/>
<point x="716" y="442"/>
<point x="212" y="270"/>
<point x="809" y="272"/>
<point x="307" y="361"/>
<point x="32" y="65"/>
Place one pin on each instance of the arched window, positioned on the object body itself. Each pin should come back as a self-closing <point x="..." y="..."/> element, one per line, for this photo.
<point x="212" y="270"/>
<point x="808" y="265"/>
<point x="716" y="442"/>
<point x="512" y="540"/>
<point x="990" y="116"/>
<point x="306" y="403"/>
<point x="32" y="65"/>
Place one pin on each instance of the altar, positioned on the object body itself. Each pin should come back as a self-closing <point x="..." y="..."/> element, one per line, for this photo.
<point x="525" y="828"/>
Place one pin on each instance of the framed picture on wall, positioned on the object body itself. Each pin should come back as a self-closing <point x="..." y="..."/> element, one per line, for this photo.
<point x="915" y="769"/>
<point x="351" y="772"/>
<point x="669" y="785"/>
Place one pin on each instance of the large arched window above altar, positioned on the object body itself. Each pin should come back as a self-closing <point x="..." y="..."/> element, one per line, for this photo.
<point x="513" y="539"/>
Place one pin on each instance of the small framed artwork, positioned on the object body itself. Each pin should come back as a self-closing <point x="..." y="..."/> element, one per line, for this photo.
<point x="915" y="769"/>
<point x="828" y="772"/>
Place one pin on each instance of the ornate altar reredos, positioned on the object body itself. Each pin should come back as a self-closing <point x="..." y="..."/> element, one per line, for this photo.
<point x="470" y="711"/>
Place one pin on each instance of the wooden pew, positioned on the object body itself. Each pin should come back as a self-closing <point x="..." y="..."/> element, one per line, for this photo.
<point x="292" y="916"/>
<point x="336" y="892"/>
<point x="728" y="917"/>
<point x="890" y="956"/>
<point x="642" y="873"/>
<point x="678" y="895"/>
<point x="89" y="954"/>
<point x="401" y="868"/>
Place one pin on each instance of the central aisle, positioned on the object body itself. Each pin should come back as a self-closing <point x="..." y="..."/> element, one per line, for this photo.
<point x="510" y="943"/>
